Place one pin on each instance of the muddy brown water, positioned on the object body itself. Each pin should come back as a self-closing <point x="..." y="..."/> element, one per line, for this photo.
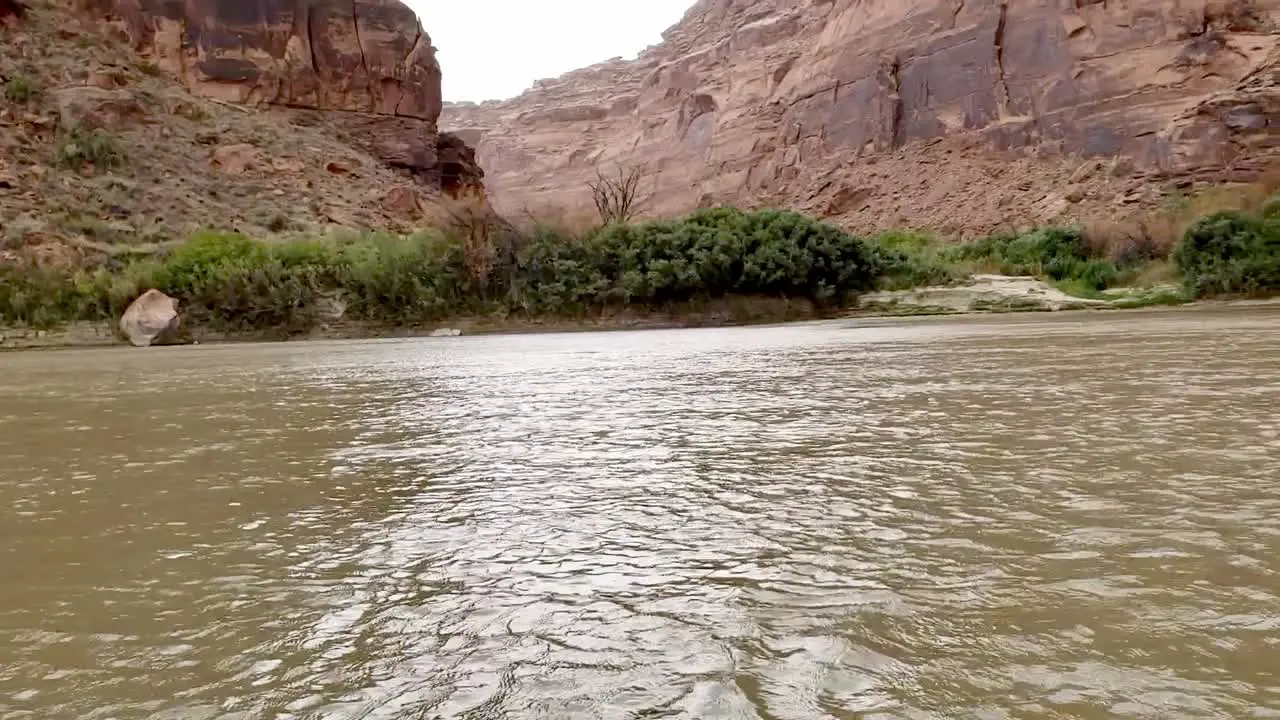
<point x="1069" y="516"/>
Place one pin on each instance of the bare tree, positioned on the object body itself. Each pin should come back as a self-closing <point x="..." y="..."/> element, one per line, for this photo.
<point x="617" y="196"/>
<point x="482" y="232"/>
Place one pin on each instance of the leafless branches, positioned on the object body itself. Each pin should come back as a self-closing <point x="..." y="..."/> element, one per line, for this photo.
<point x="617" y="196"/>
<point x="481" y="231"/>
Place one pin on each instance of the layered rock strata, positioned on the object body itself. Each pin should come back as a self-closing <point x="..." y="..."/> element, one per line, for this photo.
<point x="956" y="114"/>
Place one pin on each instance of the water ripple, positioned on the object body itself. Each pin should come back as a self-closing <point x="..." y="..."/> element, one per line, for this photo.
<point x="999" y="518"/>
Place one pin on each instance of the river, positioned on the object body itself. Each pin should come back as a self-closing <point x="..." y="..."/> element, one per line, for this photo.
<point x="1032" y="516"/>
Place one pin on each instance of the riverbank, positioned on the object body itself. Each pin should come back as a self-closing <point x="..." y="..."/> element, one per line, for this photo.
<point x="724" y="312"/>
<point x="992" y="295"/>
<point x="715" y="267"/>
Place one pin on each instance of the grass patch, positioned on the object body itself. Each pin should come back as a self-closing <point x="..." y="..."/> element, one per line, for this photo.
<point x="1080" y="288"/>
<point x="97" y="148"/>
<point x="1271" y="210"/>
<point x="1061" y="255"/>
<point x="913" y="259"/>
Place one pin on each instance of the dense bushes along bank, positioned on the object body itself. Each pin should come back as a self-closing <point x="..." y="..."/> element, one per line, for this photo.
<point x="231" y="282"/>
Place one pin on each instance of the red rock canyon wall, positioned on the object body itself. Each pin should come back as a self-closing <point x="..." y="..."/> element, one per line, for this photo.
<point x="955" y="114"/>
<point x="367" y="64"/>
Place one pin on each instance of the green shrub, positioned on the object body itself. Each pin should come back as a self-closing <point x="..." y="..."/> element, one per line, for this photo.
<point x="228" y="280"/>
<point x="1230" y="253"/>
<point x="1271" y="209"/>
<point x="709" y="254"/>
<point x="21" y="89"/>
<point x="1059" y="254"/>
<point x="96" y="147"/>
<point x="908" y="259"/>
<point x="407" y="280"/>
<point x="1050" y="251"/>
<point x="37" y="297"/>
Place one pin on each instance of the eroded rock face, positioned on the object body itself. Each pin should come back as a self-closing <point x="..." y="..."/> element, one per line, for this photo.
<point x="367" y="63"/>
<point x="367" y="56"/>
<point x="460" y="173"/>
<point x="957" y="114"/>
<point x="11" y="9"/>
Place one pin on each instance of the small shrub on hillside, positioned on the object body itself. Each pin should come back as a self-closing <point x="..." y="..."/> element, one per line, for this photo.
<point x="149" y="68"/>
<point x="1231" y="16"/>
<point x="278" y="223"/>
<point x="1230" y="253"/>
<point x="21" y="89"/>
<point x="97" y="147"/>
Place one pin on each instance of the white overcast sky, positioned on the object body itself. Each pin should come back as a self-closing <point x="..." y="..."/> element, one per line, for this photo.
<point x="495" y="49"/>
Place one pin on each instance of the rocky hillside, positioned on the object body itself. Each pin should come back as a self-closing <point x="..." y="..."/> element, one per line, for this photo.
<point x="960" y="115"/>
<point x="132" y="122"/>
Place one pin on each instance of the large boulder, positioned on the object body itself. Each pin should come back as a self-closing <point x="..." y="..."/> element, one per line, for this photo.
<point x="152" y="319"/>
<point x="235" y="159"/>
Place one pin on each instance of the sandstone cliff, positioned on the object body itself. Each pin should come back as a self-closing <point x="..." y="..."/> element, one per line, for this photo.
<point x="369" y="59"/>
<point x="137" y="121"/>
<point x="962" y="115"/>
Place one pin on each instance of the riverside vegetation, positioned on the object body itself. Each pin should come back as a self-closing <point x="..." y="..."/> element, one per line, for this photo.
<point x="230" y="282"/>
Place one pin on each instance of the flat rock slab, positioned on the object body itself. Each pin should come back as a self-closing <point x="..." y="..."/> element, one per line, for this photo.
<point x="982" y="292"/>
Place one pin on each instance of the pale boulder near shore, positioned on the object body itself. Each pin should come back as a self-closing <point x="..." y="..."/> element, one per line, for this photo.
<point x="151" y="319"/>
